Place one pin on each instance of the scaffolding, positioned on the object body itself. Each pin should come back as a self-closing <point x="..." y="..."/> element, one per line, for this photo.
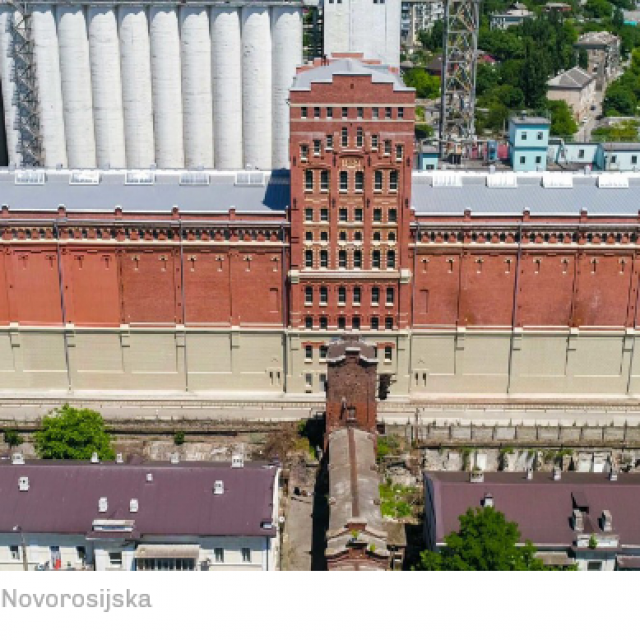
<point x="25" y="98"/>
<point x="459" y="60"/>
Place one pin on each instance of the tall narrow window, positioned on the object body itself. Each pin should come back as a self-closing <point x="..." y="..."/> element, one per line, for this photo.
<point x="398" y="152"/>
<point x="375" y="323"/>
<point x="359" y="180"/>
<point x="357" y="215"/>
<point x="342" y="323"/>
<point x="308" y="180"/>
<point x="357" y="295"/>
<point x="323" y="322"/>
<point x="375" y="295"/>
<point x="387" y="113"/>
<point x="316" y="147"/>
<point x="377" y="215"/>
<point x="329" y="143"/>
<point x="308" y="353"/>
<point x="343" y="215"/>
<point x="400" y="113"/>
<point x="355" y="323"/>
<point x="324" y="215"/>
<point x="390" y="295"/>
<point x="391" y="259"/>
<point x="377" y="181"/>
<point x="308" y="322"/>
<point x="342" y="295"/>
<point x="357" y="259"/>
<point x="344" y="181"/>
<point x="342" y="259"/>
<point x="345" y="137"/>
<point x="388" y="323"/>
<point x="375" y="113"/>
<point x="345" y="113"/>
<point x="324" y="259"/>
<point x="303" y="112"/>
<point x="308" y="259"/>
<point x="308" y="215"/>
<point x="393" y="180"/>
<point x="324" y="180"/>
<point x="387" y="147"/>
<point x="375" y="259"/>
<point x="329" y="112"/>
<point x="324" y="295"/>
<point x="316" y="112"/>
<point x="360" y="112"/>
<point x="308" y="295"/>
<point x="304" y="152"/>
<point x="392" y="215"/>
<point x="374" y="142"/>
<point x="359" y="138"/>
<point x="388" y="354"/>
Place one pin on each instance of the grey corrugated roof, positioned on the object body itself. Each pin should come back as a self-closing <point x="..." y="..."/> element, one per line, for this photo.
<point x="475" y="195"/>
<point x="347" y="67"/>
<point x="63" y="498"/>
<point x="220" y="195"/>
<point x="575" y="78"/>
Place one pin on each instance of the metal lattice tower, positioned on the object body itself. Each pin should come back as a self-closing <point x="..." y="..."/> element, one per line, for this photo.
<point x="459" y="58"/>
<point x="25" y="99"/>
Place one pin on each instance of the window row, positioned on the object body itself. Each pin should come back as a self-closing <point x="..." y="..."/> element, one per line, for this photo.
<point x="374" y="323"/>
<point x="344" y="143"/>
<point x="353" y="180"/>
<point x="370" y="113"/>
<point x="355" y="261"/>
<point x="322" y="352"/>
<point x="343" y="236"/>
<point x="356" y="295"/>
<point x="357" y="215"/>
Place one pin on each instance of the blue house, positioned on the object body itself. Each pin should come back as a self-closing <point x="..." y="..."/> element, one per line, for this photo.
<point x="618" y="156"/>
<point x="428" y="157"/>
<point x="528" y="142"/>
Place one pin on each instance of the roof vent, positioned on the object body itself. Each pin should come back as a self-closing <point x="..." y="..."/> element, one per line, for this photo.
<point x="119" y="458"/>
<point x="218" y="488"/>
<point x="194" y="178"/>
<point x="175" y="457"/>
<point x="476" y="476"/>
<point x="17" y="458"/>
<point x="487" y="500"/>
<point x="504" y="180"/>
<point x="607" y="521"/>
<point x="447" y="179"/>
<point x="529" y="473"/>
<point x="249" y="179"/>
<point x="30" y="176"/>
<point x="613" y="474"/>
<point x="149" y="477"/>
<point x="557" y="180"/>
<point x="23" y="483"/>
<point x="237" y="461"/>
<point x="578" y="520"/>
<point x="140" y="177"/>
<point x="557" y="473"/>
<point x="94" y="458"/>
<point x="133" y="506"/>
<point x="84" y="177"/>
<point x="613" y="181"/>
<point x="266" y="524"/>
<point x="103" y="505"/>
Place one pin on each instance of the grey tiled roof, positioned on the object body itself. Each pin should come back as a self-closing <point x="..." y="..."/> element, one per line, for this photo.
<point x="575" y="78"/>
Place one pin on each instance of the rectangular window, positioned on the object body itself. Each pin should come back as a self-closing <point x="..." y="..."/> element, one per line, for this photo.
<point x="115" y="558"/>
<point x="324" y="215"/>
<point x="342" y="295"/>
<point x="323" y="352"/>
<point x="388" y="354"/>
<point x="15" y="552"/>
<point x="329" y="112"/>
<point x="324" y="259"/>
<point x="390" y="295"/>
<point x="400" y="113"/>
<point x="358" y="215"/>
<point x="377" y="181"/>
<point x="360" y="112"/>
<point x="308" y="180"/>
<point x="523" y="135"/>
<point x="316" y="147"/>
<point x="614" y="159"/>
<point x="308" y="235"/>
<point x="324" y="236"/>
<point x="355" y="323"/>
<point x="308" y="383"/>
<point x="308" y="353"/>
<point x="343" y="215"/>
<point x="388" y="323"/>
<point x="540" y="135"/>
<point x="392" y="215"/>
<point x="375" y="113"/>
<point x="634" y="159"/>
<point x="594" y="565"/>
<point x="342" y="323"/>
<point x="374" y="142"/>
<point x="522" y="159"/>
<point x="357" y="259"/>
<point x="308" y="215"/>
<point x="387" y="147"/>
<point x="345" y="112"/>
<point x="342" y="259"/>
<point x="316" y="112"/>
<point x="218" y="555"/>
<point x="329" y="143"/>
<point x="344" y="181"/>
<point x="304" y="152"/>
<point x="377" y="215"/>
<point x="308" y="295"/>
<point x="387" y="113"/>
<point x="375" y="323"/>
<point x="357" y="294"/>
<point x="323" y="323"/>
<point x="344" y="137"/>
<point x="308" y="322"/>
<point x="538" y="159"/>
<point x="391" y="259"/>
<point x="375" y="259"/>
<point x="375" y="296"/>
<point x="359" y="138"/>
<point x="324" y="295"/>
<point x="324" y="180"/>
<point x="359" y="180"/>
<point x="581" y="154"/>
<point x="393" y="180"/>
<point x="303" y="112"/>
<point x="398" y="152"/>
<point x="308" y="259"/>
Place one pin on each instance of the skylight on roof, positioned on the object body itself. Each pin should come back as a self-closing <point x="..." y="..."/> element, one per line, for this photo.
<point x="140" y="177"/>
<point x="30" y="176"/>
<point x="84" y="177"/>
<point x="447" y="179"/>
<point x="613" y="181"/>
<point x="249" y="179"/>
<point x="194" y="179"/>
<point x="557" y="180"/>
<point x="505" y="180"/>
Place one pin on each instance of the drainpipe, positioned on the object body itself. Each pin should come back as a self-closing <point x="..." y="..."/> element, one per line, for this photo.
<point x="514" y="311"/>
<point x="63" y="310"/>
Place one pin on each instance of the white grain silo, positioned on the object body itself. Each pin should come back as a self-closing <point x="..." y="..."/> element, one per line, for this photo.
<point x="47" y="58"/>
<point x="286" y="34"/>
<point x="256" y="85"/>
<point x="167" y="86"/>
<point x="226" y="69"/>
<point x="137" y="98"/>
<point x="104" y="52"/>
<point x="8" y="85"/>
<point x="197" y="98"/>
<point x="76" y="86"/>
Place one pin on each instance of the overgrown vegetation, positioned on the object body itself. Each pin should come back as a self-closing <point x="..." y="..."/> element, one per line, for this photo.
<point x="297" y="439"/>
<point x="388" y="446"/>
<point x="396" y="500"/>
<point x="12" y="438"/>
<point x="178" y="438"/>
<point x="73" y="434"/>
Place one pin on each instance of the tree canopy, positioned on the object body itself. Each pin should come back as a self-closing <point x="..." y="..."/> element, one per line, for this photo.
<point x="73" y="434"/>
<point x="486" y="541"/>
<point x="562" y="121"/>
<point x="426" y="85"/>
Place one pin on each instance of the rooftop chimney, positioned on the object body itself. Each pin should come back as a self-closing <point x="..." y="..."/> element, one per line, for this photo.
<point x="237" y="461"/>
<point x="149" y="477"/>
<point x="607" y="521"/>
<point x="17" y="458"/>
<point x="488" y="500"/>
<point x="23" y="483"/>
<point x="94" y="458"/>
<point x="119" y="458"/>
<point x="557" y="473"/>
<point x="218" y="487"/>
<point x="578" y="520"/>
<point x="175" y="457"/>
<point x="103" y="505"/>
<point x="476" y="476"/>
<point x="133" y="506"/>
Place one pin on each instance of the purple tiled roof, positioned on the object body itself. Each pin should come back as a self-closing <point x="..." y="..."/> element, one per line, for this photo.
<point x="542" y="507"/>
<point x="63" y="498"/>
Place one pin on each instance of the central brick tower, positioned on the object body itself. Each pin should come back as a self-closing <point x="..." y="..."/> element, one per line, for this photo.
<point x="351" y="153"/>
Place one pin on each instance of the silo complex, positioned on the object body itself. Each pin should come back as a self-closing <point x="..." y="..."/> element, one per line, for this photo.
<point x="178" y="85"/>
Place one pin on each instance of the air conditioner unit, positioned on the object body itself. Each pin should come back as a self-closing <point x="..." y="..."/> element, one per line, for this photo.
<point x="237" y="461"/>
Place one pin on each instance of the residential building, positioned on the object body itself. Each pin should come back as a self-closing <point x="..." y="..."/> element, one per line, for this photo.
<point x="591" y="520"/>
<point x="514" y="16"/>
<point x="603" y="51"/>
<point x="577" y="88"/>
<point x="417" y="16"/>
<point x="571" y="154"/>
<point x="111" y="516"/>
<point x="618" y="156"/>
<point x="528" y="141"/>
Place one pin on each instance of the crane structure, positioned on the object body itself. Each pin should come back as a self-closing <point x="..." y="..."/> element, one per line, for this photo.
<point x="459" y="61"/>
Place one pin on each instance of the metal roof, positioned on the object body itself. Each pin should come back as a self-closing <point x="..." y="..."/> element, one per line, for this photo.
<point x="220" y="194"/>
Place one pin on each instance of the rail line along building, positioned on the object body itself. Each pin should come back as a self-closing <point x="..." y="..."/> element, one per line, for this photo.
<point x="233" y="282"/>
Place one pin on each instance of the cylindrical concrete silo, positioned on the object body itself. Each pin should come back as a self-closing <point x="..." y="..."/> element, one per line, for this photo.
<point x="167" y="89"/>
<point x="47" y="58"/>
<point x="8" y="85"/>
<point x="256" y="85"/>
<point x="137" y="97"/>
<point x="197" y="101"/>
<point x="104" y="50"/>
<point x="286" y="35"/>
<point x="226" y="63"/>
<point x="76" y="86"/>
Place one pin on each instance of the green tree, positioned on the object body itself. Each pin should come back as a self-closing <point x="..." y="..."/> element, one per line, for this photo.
<point x="426" y="85"/>
<point x="12" y="438"/>
<point x="562" y="120"/>
<point x="534" y="75"/>
<point x="619" y="132"/>
<point x="598" y="9"/>
<point x="432" y="39"/>
<point x="619" y="100"/>
<point x="583" y="58"/>
<point x="486" y="541"/>
<point x="73" y="434"/>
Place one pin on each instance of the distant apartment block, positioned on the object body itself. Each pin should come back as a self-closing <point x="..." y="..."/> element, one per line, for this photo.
<point x="603" y="51"/>
<point x="577" y="88"/>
